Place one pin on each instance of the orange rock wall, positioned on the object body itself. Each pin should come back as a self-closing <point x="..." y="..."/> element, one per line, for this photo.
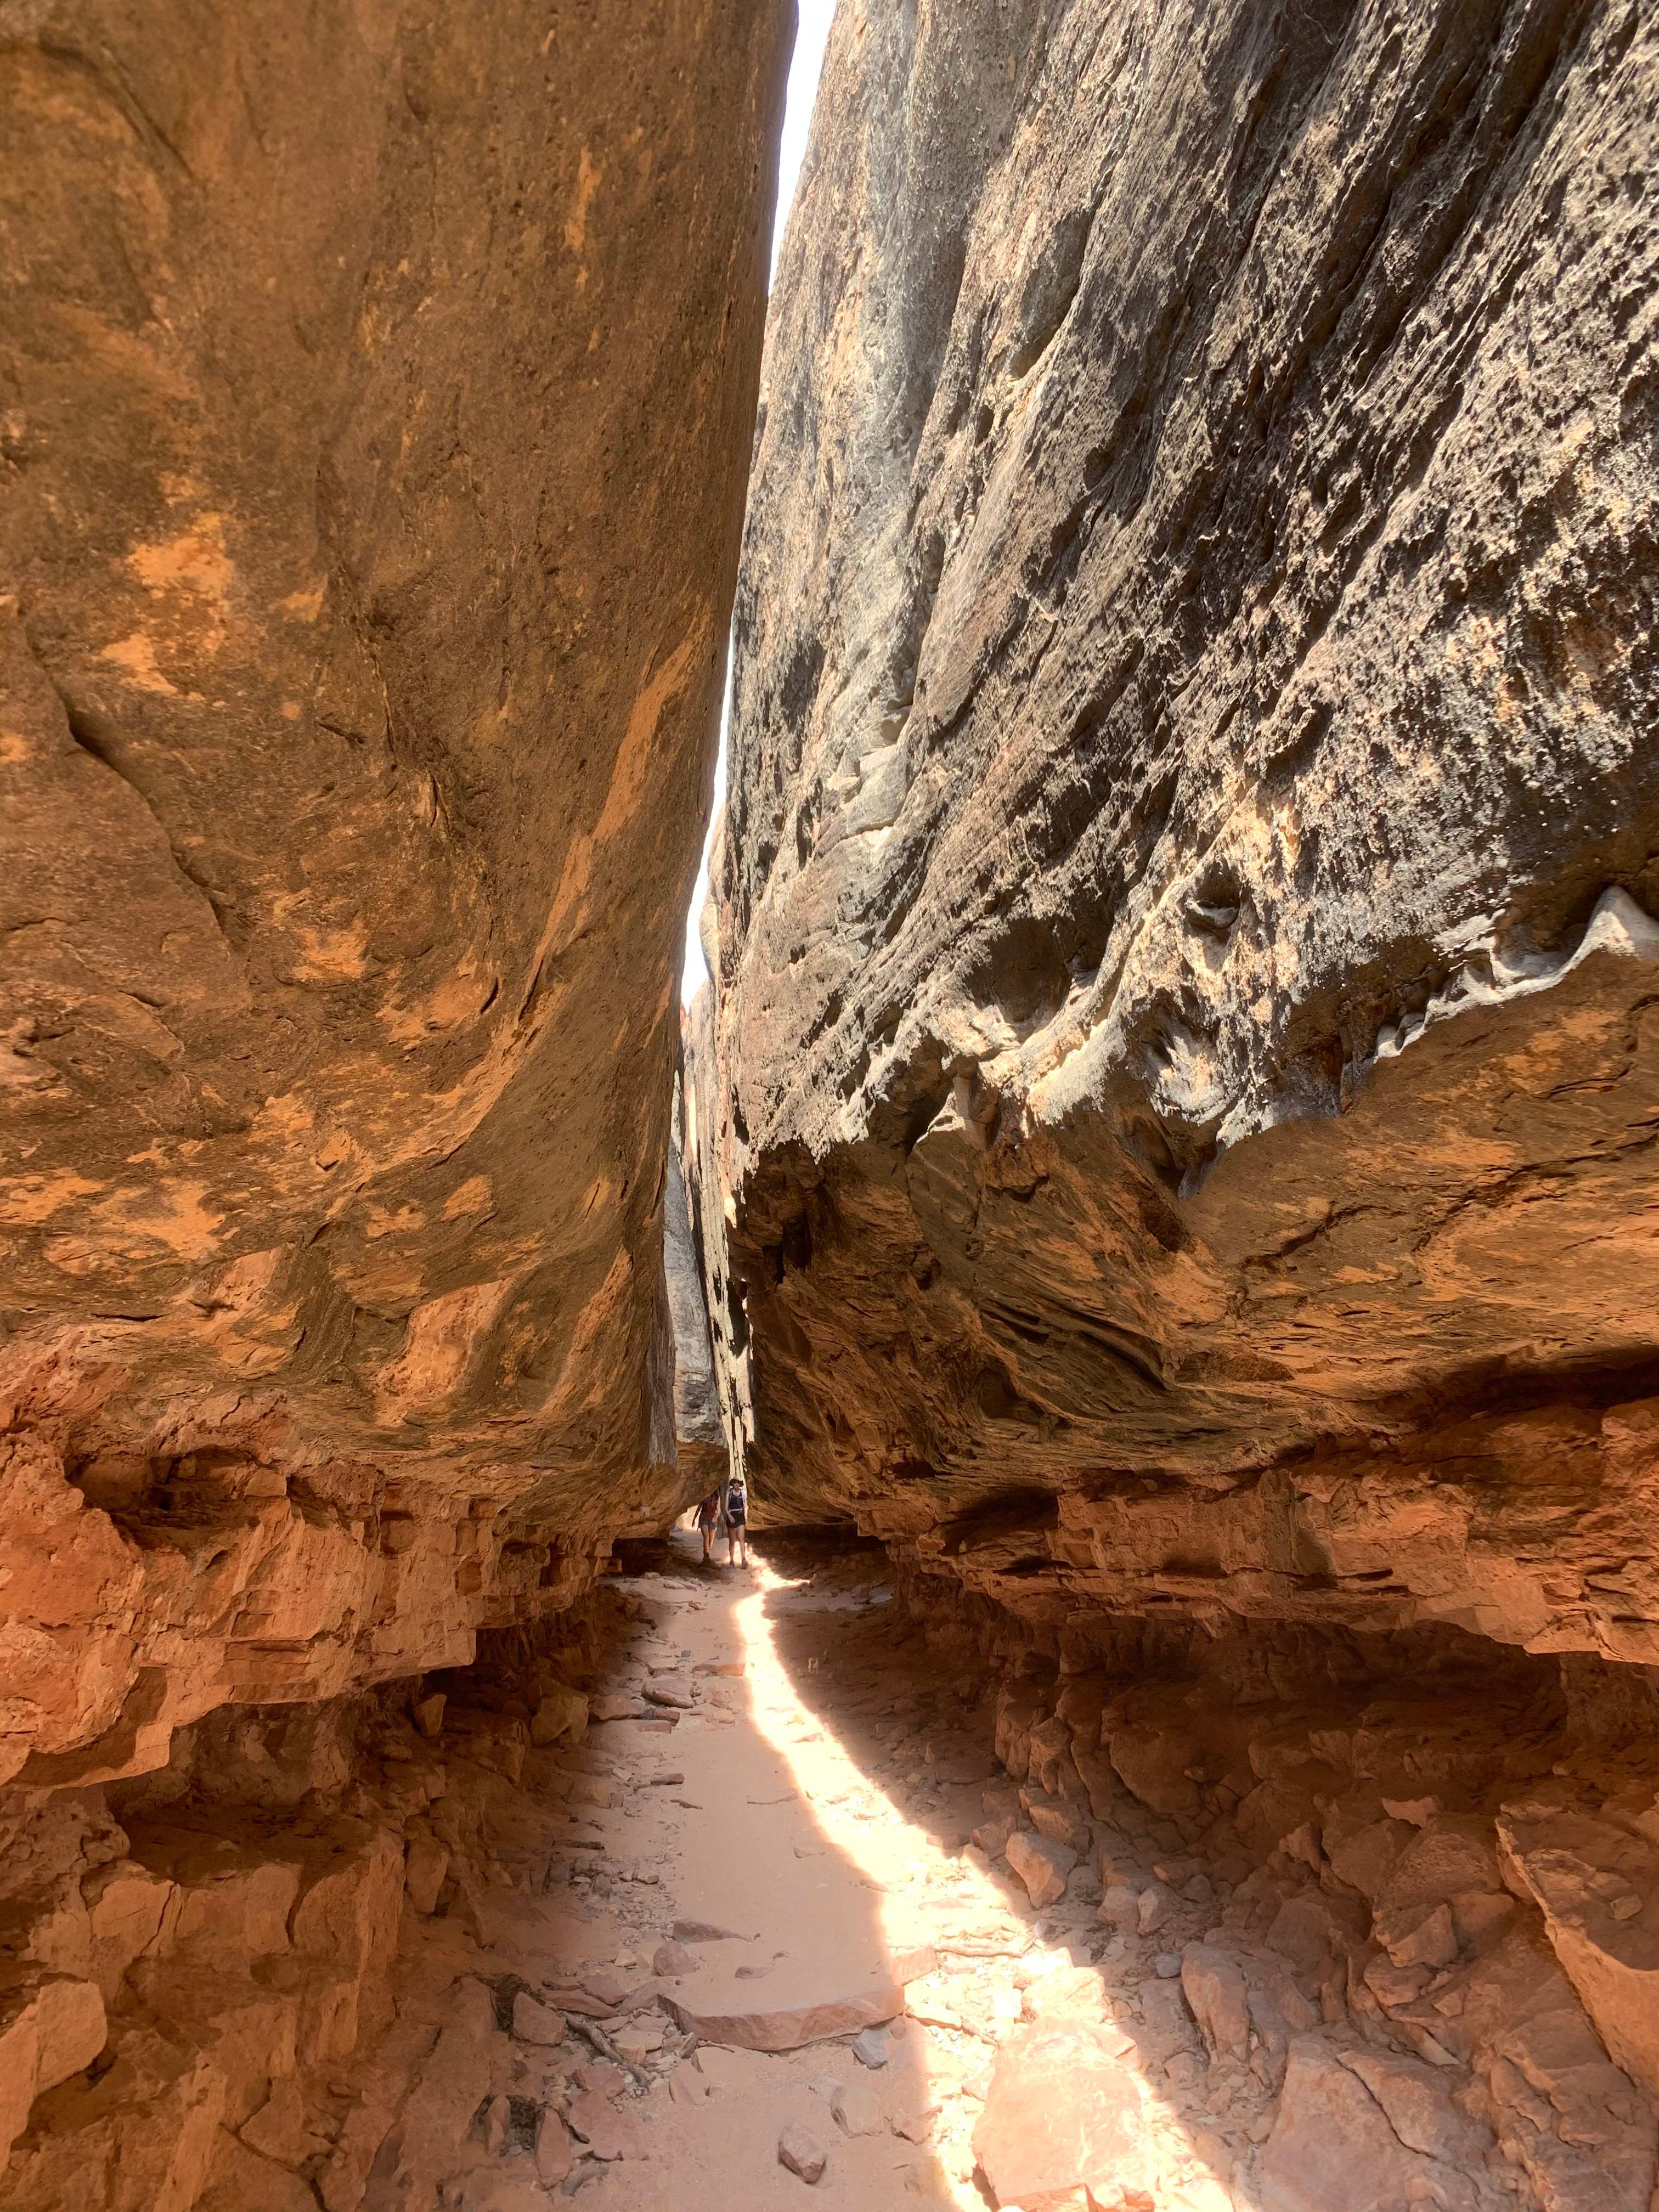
<point x="376" y="391"/>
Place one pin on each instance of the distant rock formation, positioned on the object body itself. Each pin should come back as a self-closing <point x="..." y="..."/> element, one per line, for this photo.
<point x="700" y="1435"/>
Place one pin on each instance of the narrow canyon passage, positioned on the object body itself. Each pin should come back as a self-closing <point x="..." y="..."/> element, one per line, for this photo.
<point x="1134" y="526"/>
<point x="745" y="1917"/>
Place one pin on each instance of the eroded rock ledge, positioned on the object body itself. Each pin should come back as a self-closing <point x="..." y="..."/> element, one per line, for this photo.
<point x="224" y="1980"/>
<point x="1405" y="1897"/>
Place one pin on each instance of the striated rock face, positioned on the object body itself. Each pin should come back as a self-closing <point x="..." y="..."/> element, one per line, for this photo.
<point x="1176" y="1118"/>
<point x="700" y="1435"/>
<point x="377" y="388"/>
<point x="1184" y="1062"/>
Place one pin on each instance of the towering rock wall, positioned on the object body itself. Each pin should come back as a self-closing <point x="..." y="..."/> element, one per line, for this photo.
<point x="1185" y="1049"/>
<point x="1177" y="1114"/>
<point x="376" y="389"/>
<point x="378" y="384"/>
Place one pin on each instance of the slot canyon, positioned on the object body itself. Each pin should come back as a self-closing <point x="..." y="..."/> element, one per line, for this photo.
<point x="1153" y="579"/>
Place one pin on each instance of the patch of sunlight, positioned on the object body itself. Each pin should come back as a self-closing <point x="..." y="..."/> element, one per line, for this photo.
<point x="928" y="1895"/>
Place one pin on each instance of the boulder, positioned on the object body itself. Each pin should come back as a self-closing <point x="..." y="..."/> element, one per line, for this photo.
<point x="1064" y="2113"/>
<point x="615" y="1705"/>
<point x="855" y="2110"/>
<point x="560" y="1717"/>
<point x="1153" y="1763"/>
<point x="1416" y="2099"/>
<point x="1059" y="1820"/>
<point x="802" y="2154"/>
<point x="51" y="2026"/>
<point x="554" y="2152"/>
<point x="1042" y="1864"/>
<point x="1119" y="1908"/>
<point x="673" y="1690"/>
<point x="1214" y="1987"/>
<point x="533" y="2021"/>
<point x="1331" y="2143"/>
<point x="131" y="1910"/>
<point x="608" y="2133"/>
<point x="1153" y="1907"/>
<point x="1597" y="1887"/>
<point x="426" y="1867"/>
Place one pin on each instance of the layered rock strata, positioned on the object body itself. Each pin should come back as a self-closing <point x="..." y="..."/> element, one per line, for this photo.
<point x="378" y="387"/>
<point x="1180" y="1090"/>
<point x="252" y="1981"/>
<point x="1372" y="1919"/>
<point x="1176" y="1110"/>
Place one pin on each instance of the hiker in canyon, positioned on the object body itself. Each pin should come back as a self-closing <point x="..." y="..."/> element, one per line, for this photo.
<point x="710" y="1514"/>
<point x="1135" y="528"/>
<point x="736" y="1522"/>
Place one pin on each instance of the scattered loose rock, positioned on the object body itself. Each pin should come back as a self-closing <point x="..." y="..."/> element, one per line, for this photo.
<point x="533" y="2021"/>
<point x="609" y="2133"/>
<point x="1042" y="1863"/>
<point x="855" y="2110"/>
<point x="802" y="2155"/>
<point x="555" y="2152"/>
<point x="670" y="1690"/>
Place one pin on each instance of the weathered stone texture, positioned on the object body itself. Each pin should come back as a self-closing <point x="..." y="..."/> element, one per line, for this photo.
<point x="1404" y="1883"/>
<point x="1185" y="1050"/>
<point x="700" y="1436"/>
<point x="376" y="385"/>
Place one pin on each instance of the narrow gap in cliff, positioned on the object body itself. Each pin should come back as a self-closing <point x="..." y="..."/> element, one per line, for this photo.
<point x="813" y="18"/>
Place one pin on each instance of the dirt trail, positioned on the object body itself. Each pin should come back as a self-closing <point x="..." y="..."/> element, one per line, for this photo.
<point x="814" y="1793"/>
<point x="775" y="1833"/>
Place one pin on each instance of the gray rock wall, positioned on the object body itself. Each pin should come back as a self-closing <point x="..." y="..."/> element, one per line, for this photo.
<point x="1185" y="1043"/>
<point x="699" y="1434"/>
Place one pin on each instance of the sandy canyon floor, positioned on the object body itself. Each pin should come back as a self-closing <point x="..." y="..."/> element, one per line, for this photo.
<point x="815" y="1798"/>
